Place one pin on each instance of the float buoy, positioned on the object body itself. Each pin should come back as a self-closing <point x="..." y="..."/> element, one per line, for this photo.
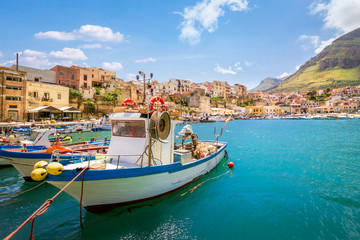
<point x="203" y="154"/>
<point x="55" y="168"/>
<point x="231" y="164"/>
<point x="156" y="99"/>
<point x="40" y="164"/>
<point x="38" y="174"/>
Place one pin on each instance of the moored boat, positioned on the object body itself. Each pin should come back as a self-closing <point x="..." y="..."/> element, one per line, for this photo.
<point x="143" y="162"/>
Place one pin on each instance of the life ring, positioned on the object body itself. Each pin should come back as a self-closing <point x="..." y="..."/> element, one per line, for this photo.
<point x="129" y="100"/>
<point x="157" y="99"/>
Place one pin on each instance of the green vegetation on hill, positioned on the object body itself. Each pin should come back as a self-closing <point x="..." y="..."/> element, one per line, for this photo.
<point x="338" y="65"/>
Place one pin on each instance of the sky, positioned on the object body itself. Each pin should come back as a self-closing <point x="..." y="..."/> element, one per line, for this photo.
<point x="238" y="41"/>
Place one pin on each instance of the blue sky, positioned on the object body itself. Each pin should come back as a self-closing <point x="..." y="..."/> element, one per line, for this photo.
<point x="238" y="41"/>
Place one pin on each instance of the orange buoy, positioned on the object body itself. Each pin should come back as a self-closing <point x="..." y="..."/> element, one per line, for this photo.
<point x="230" y="164"/>
<point x="203" y="154"/>
<point x="79" y="137"/>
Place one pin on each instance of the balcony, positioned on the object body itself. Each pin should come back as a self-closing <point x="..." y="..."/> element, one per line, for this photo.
<point x="45" y="99"/>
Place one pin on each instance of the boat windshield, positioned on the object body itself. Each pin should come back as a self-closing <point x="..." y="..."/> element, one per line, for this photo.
<point x="33" y="136"/>
<point x="128" y="128"/>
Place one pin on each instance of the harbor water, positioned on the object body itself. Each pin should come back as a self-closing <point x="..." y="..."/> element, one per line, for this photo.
<point x="291" y="180"/>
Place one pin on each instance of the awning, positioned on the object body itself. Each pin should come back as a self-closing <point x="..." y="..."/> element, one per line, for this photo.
<point x="70" y="110"/>
<point x="45" y="108"/>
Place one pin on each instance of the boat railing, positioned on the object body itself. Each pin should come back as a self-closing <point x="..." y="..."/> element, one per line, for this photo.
<point x="87" y="155"/>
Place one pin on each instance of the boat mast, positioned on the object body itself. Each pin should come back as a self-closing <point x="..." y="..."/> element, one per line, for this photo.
<point x="148" y="111"/>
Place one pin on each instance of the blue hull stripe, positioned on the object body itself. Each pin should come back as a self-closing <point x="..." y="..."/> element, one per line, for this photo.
<point x="102" y="174"/>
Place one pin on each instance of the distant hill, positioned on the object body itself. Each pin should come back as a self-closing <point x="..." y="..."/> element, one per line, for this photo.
<point x="338" y="65"/>
<point x="266" y="84"/>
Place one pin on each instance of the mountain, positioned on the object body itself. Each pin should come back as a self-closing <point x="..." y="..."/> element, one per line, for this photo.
<point x="266" y="84"/>
<point x="338" y="65"/>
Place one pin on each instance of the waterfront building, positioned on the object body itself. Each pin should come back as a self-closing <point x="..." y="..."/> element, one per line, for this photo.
<point x="181" y="85"/>
<point x="271" y="110"/>
<point x="13" y="94"/>
<point x="346" y="107"/>
<point x="239" y="91"/>
<point x="219" y="89"/>
<point x="258" y="95"/>
<point x="40" y="94"/>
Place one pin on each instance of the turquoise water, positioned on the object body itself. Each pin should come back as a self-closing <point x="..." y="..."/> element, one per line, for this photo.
<point x="292" y="180"/>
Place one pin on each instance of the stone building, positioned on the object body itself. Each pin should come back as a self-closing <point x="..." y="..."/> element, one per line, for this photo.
<point x="13" y="94"/>
<point x="38" y="75"/>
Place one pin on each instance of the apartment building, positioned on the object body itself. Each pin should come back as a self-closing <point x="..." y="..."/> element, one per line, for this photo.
<point x="13" y="94"/>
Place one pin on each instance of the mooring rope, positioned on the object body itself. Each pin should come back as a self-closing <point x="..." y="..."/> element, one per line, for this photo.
<point x="17" y="194"/>
<point x="42" y="209"/>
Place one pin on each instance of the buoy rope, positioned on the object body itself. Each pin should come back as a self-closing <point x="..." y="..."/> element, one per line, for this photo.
<point x="193" y="189"/>
<point x="17" y="194"/>
<point x="42" y="209"/>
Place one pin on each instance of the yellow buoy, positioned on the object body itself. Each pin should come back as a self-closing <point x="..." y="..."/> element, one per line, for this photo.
<point x="40" y="164"/>
<point x="55" y="168"/>
<point x="38" y="174"/>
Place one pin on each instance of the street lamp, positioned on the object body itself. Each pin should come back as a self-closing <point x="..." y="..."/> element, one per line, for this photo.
<point x="144" y="79"/>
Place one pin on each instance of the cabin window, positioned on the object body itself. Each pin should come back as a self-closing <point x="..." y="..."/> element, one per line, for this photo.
<point x="33" y="136"/>
<point x="128" y="128"/>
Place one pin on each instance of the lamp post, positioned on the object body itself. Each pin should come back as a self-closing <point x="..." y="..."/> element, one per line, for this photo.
<point x="144" y="79"/>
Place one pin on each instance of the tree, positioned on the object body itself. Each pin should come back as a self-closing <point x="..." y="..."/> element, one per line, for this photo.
<point x="113" y="97"/>
<point x="75" y="95"/>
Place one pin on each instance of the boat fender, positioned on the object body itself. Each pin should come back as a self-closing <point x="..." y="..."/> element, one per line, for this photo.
<point x="203" y="154"/>
<point x="55" y="168"/>
<point x="38" y="174"/>
<point x="40" y="164"/>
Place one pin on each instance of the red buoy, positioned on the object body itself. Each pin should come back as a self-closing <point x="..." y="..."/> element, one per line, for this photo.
<point x="79" y="137"/>
<point x="230" y="164"/>
<point x="203" y="154"/>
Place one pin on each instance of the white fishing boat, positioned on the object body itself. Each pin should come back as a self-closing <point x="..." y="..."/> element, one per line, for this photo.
<point x="343" y="116"/>
<point x="38" y="137"/>
<point x="143" y="162"/>
<point x="105" y="123"/>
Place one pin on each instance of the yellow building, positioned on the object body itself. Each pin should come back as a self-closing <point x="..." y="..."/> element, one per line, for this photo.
<point x="39" y="94"/>
<point x="254" y="110"/>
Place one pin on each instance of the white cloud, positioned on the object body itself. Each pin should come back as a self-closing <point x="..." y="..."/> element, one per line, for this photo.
<point x="146" y="60"/>
<point x="36" y="59"/>
<point x="315" y="43"/>
<point x="114" y="66"/>
<point x="283" y="75"/>
<point x="108" y="48"/>
<point x="222" y="70"/>
<point x="69" y="53"/>
<point x="248" y="64"/>
<point x="90" y="46"/>
<point x="297" y="67"/>
<point x="229" y="70"/>
<point x="343" y="15"/>
<point x="86" y="33"/>
<point x="204" y="17"/>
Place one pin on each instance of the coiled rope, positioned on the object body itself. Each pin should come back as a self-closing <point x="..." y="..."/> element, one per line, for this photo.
<point x="42" y="209"/>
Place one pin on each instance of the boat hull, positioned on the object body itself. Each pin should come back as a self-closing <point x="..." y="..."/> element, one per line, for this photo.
<point x="136" y="184"/>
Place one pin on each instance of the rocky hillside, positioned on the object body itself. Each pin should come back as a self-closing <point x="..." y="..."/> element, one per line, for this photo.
<point x="266" y="84"/>
<point x="338" y="65"/>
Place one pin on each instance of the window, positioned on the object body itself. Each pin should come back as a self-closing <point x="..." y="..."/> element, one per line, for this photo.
<point x="36" y="94"/>
<point x="85" y="77"/>
<point x="128" y="128"/>
<point x="36" y="79"/>
<point x="59" y="96"/>
<point x="14" y="79"/>
<point x="12" y="106"/>
<point x="92" y="75"/>
<point x="102" y="78"/>
<point x="61" y="73"/>
<point x="85" y="85"/>
<point x="10" y="98"/>
<point x="72" y="76"/>
<point x="13" y="87"/>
